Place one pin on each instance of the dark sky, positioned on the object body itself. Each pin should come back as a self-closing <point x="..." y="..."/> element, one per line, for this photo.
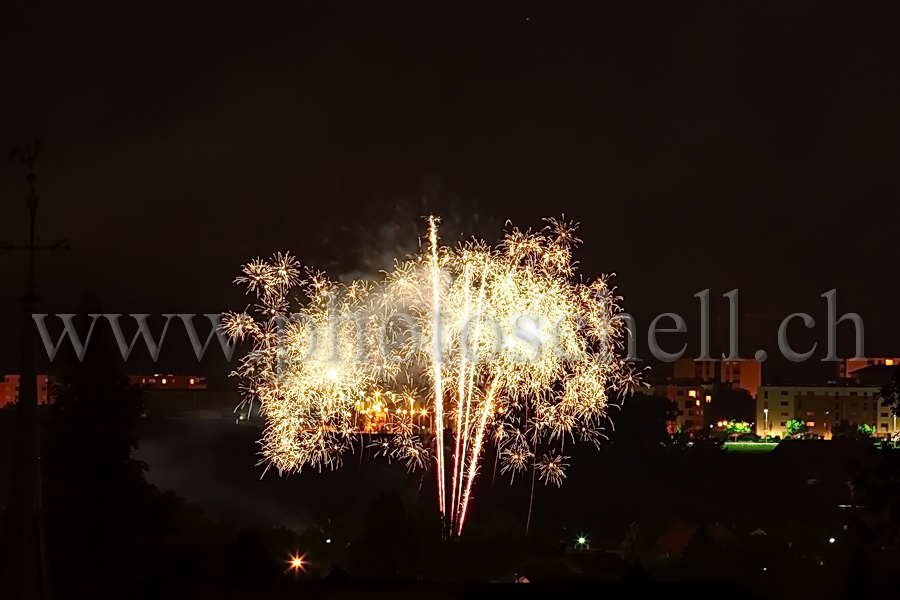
<point x="701" y="145"/>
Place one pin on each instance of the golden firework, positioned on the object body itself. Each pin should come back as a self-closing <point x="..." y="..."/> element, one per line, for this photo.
<point x="485" y="344"/>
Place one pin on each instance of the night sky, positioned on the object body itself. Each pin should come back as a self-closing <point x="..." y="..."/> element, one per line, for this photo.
<point x="701" y="145"/>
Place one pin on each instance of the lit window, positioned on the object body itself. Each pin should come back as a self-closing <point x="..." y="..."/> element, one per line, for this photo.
<point x="192" y="381"/>
<point x="164" y="381"/>
<point x="889" y="362"/>
<point x="810" y="423"/>
<point x="697" y="403"/>
<point x="708" y="398"/>
<point x="692" y="393"/>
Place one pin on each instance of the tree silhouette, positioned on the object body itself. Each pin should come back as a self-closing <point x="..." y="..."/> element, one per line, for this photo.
<point x="736" y="428"/>
<point x="844" y="429"/>
<point x="795" y="427"/>
<point x="875" y="486"/>
<point x="643" y="421"/>
<point x="388" y="548"/>
<point x="890" y="394"/>
<point x="103" y="517"/>
<point x="730" y="404"/>
<point x="703" y="557"/>
<point x="632" y="547"/>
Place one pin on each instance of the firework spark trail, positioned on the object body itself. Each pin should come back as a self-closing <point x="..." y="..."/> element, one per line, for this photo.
<point x="461" y="387"/>
<point x="538" y="367"/>
<point x="476" y="455"/>
<point x="466" y="346"/>
<point x="457" y="516"/>
<point x="438" y="380"/>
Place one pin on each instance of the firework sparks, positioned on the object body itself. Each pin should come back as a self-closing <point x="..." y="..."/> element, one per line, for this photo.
<point x="552" y="468"/>
<point x="489" y="345"/>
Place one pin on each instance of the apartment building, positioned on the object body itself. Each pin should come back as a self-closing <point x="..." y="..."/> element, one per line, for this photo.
<point x="744" y="374"/>
<point x="820" y="407"/>
<point x="690" y="401"/>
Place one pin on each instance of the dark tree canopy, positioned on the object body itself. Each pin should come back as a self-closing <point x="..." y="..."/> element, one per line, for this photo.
<point x="103" y="517"/>
<point x="890" y="395"/>
<point x="730" y="404"/>
<point x="388" y="548"/>
<point x="643" y="421"/>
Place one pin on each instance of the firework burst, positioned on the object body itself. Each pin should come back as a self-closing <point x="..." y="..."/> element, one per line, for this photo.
<point x="477" y="344"/>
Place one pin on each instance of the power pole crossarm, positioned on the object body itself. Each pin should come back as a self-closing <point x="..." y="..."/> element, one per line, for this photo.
<point x="24" y="564"/>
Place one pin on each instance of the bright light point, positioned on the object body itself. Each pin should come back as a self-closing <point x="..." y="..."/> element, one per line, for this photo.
<point x="332" y="374"/>
<point x="582" y="541"/>
<point x="297" y="562"/>
<point x="831" y="540"/>
<point x="328" y="541"/>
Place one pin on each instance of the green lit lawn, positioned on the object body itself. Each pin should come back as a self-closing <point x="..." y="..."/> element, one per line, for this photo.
<point x="749" y="447"/>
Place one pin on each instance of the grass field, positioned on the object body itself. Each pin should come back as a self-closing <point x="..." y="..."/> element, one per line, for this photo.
<point x="749" y="446"/>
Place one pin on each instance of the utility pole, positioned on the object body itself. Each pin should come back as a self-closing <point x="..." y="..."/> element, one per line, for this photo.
<point x="24" y="565"/>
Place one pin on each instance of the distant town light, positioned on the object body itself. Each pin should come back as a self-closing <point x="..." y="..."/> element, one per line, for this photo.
<point x="328" y="541"/>
<point x="192" y="381"/>
<point x="164" y="381"/>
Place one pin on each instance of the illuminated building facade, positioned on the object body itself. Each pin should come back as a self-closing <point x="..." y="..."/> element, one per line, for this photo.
<point x="847" y="366"/>
<point x="9" y="389"/>
<point x="9" y="385"/>
<point x="169" y="381"/>
<point x="821" y="407"/>
<point x="690" y="402"/>
<point x="744" y="374"/>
